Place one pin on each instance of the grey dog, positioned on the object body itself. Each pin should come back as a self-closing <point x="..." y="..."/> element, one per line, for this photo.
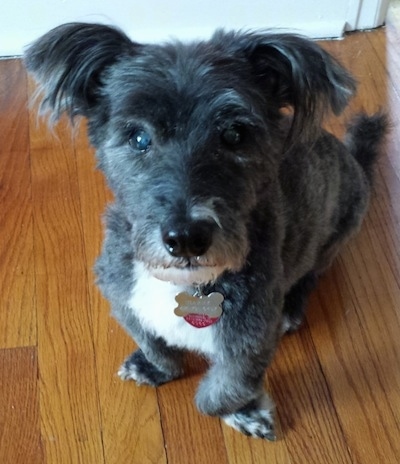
<point x="230" y="199"/>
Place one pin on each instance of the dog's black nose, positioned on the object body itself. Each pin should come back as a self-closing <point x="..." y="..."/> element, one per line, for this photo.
<point x="188" y="240"/>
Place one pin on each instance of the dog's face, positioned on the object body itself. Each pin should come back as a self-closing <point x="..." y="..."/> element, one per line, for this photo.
<point x="189" y="136"/>
<point x="188" y="153"/>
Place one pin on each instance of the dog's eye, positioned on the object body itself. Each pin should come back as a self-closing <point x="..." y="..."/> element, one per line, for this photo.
<point x="140" y="140"/>
<point x="233" y="135"/>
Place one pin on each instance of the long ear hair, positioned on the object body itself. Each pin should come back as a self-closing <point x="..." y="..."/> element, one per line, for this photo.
<point x="298" y="73"/>
<point x="69" y="61"/>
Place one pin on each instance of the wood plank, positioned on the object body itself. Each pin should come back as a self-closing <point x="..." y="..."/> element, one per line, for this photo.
<point x="131" y="428"/>
<point x="189" y="436"/>
<point x="17" y="317"/>
<point x="311" y="429"/>
<point x="69" y="407"/>
<point x="18" y="310"/>
<point x="20" y="441"/>
<point x="242" y="449"/>
<point x="70" y="412"/>
<point x="58" y="235"/>
<point x="355" y="328"/>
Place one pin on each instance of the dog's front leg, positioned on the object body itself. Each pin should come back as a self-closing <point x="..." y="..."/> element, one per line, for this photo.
<point x="154" y="363"/>
<point x="139" y="368"/>
<point x="221" y="393"/>
<point x="234" y="385"/>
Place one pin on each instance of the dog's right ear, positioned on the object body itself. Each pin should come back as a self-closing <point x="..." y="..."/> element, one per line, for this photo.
<point x="297" y="74"/>
<point x="69" y="61"/>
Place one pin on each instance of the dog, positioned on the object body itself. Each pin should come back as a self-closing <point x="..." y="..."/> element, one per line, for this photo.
<point x="230" y="198"/>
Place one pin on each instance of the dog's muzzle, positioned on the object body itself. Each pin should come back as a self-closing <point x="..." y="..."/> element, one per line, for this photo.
<point x="188" y="243"/>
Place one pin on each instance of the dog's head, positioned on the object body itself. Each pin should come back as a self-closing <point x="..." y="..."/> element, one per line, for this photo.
<point x="190" y="136"/>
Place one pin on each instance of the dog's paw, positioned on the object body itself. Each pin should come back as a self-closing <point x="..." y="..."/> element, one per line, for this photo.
<point x="291" y="324"/>
<point x="255" y="420"/>
<point x="136" y="367"/>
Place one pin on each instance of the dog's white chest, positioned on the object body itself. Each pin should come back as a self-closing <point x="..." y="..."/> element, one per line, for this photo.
<point x="153" y="302"/>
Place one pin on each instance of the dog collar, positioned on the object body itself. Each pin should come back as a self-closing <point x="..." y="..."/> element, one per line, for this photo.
<point x="199" y="310"/>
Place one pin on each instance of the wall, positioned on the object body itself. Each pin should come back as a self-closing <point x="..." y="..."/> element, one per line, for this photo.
<point x="24" y="20"/>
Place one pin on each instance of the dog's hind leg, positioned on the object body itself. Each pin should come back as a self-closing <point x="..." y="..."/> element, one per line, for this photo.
<point x="296" y="301"/>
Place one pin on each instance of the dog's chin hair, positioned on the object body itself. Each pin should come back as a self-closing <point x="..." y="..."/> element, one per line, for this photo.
<point x="187" y="276"/>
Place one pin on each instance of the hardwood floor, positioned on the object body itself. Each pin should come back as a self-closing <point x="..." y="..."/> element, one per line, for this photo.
<point x="336" y="382"/>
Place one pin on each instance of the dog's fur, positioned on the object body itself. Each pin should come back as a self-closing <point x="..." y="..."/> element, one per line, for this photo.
<point x="223" y="179"/>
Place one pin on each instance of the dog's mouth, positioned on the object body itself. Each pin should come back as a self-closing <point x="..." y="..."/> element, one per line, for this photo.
<point x="190" y="274"/>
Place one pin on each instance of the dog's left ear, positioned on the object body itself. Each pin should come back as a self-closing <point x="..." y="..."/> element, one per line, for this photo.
<point x="298" y="73"/>
<point x="70" y="62"/>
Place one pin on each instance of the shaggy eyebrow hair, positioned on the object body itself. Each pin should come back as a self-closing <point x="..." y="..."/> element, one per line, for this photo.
<point x="138" y="110"/>
<point x="231" y="104"/>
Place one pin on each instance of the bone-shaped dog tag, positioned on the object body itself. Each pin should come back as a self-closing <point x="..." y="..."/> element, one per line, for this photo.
<point x="199" y="311"/>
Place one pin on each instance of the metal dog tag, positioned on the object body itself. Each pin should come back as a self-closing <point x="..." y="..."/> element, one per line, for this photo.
<point x="199" y="310"/>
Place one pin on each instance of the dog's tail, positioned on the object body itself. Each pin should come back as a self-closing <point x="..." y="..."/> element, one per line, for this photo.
<point x="364" y="137"/>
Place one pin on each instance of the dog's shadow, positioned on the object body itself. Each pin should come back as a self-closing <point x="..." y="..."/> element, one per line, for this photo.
<point x="296" y="378"/>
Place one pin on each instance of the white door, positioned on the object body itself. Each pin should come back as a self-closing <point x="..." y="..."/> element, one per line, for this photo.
<point x="152" y="20"/>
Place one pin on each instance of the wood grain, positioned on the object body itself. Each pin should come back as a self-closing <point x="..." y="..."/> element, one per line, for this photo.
<point x="182" y="421"/>
<point x="20" y="440"/>
<point x="336" y="382"/>
<point x="311" y="428"/>
<point x="16" y="226"/>
<point x="69" y="403"/>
